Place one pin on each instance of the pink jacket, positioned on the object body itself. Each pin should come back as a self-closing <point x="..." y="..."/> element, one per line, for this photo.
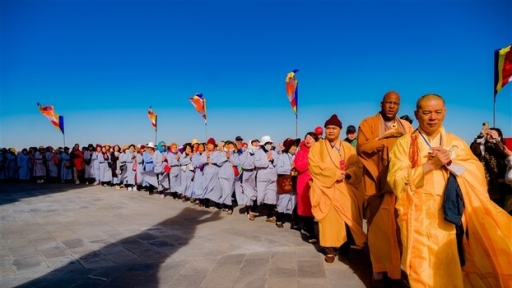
<point x="301" y="164"/>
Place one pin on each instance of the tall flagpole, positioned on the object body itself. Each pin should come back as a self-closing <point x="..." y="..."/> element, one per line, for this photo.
<point x="156" y="127"/>
<point x="494" y="113"/>
<point x="206" y="131"/>
<point x="296" y="125"/>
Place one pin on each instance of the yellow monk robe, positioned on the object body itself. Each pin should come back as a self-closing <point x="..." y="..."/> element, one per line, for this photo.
<point x="379" y="206"/>
<point x="334" y="204"/>
<point x="429" y="245"/>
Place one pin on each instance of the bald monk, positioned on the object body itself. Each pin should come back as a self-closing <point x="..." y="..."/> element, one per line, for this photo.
<point x="453" y="234"/>
<point x="377" y="135"/>
<point x="335" y="202"/>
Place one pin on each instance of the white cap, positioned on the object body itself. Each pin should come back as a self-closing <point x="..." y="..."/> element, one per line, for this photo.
<point x="265" y="139"/>
<point x="151" y="145"/>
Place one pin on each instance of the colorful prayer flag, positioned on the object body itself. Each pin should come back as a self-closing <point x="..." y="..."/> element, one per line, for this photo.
<point x="152" y="117"/>
<point x="292" y="90"/>
<point x="502" y="68"/>
<point x="199" y="103"/>
<point x="56" y="120"/>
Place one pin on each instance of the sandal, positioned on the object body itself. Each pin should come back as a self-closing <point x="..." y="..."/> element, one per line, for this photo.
<point x="329" y="258"/>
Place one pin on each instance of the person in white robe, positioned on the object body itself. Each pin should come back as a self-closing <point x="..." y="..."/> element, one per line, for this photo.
<point x="265" y="162"/>
<point x="95" y="158"/>
<point x="66" y="172"/>
<point x="39" y="169"/>
<point x="89" y="166"/>
<point x="247" y="197"/>
<point x="286" y="168"/>
<point x="198" y="189"/>
<point x="210" y="175"/>
<point x="187" y="172"/>
<point x="24" y="166"/>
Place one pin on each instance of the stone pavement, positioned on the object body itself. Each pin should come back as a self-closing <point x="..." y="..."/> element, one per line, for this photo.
<point x="64" y="235"/>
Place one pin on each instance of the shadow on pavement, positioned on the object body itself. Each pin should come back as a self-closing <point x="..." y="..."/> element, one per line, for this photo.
<point x="135" y="261"/>
<point x="11" y="192"/>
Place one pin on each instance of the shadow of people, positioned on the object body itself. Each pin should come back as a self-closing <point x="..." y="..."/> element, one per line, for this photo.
<point x="13" y="192"/>
<point x="134" y="261"/>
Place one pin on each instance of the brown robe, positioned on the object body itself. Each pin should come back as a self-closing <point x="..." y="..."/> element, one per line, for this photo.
<point x="379" y="207"/>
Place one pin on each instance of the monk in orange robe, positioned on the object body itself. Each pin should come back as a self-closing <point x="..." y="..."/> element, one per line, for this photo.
<point x="376" y="137"/>
<point x="336" y="172"/>
<point x="430" y="170"/>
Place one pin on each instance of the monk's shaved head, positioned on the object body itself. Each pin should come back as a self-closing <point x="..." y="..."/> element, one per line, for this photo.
<point x="389" y="105"/>
<point x="430" y="113"/>
<point x="427" y="97"/>
<point x="391" y="94"/>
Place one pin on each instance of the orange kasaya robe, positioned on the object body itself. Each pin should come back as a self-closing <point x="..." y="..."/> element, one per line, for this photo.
<point x="334" y="204"/>
<point x="379" y="206"/>
<point x="430" y="255"/>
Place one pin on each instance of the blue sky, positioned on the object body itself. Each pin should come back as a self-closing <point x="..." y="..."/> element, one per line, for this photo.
<point x="101" y="64"/>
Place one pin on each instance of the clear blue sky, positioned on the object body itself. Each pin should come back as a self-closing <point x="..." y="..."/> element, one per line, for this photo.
<point x="101" y="64"/>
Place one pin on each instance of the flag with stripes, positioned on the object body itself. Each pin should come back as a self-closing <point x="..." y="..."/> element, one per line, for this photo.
<point x="56" y="120"/>
<point x="152" y="117"/>
<point x="199" y="103"/>
<point x="292" y="90"/>
<point x="502" y="68"/>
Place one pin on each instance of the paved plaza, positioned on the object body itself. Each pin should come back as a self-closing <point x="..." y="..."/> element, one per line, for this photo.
<point x="64" y="235"/>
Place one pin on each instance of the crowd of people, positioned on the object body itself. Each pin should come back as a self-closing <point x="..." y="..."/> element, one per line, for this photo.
<point x="435" y="207"/>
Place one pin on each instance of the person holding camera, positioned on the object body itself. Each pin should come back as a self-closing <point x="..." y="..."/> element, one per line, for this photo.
<point x="489" y="147"/>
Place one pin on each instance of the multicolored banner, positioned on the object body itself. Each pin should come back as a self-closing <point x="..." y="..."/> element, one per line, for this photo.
<point x="292" y="90"/>
<point x="502" y="68"/>
<point x="199" y="103"/>
<point x="56" y="120"/>
<point x="152" y="117"/>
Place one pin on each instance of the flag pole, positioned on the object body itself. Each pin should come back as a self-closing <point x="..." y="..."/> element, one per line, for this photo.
<point x="296" y="125"/>
<point x="206" y="131"/>
<point x="156" y="127"/>
<point x="494" y="113"/>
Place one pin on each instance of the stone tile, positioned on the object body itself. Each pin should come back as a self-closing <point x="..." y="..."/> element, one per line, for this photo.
<point x="288" y="282"/>
<point x="314" y="282"/>
<point x="47" y="242"/>
<point x="29" y="262"/>
<point x="63" y="235"/>
<point x="187" y="281"/>
<point x="23" y="251"/>
<point x="280" y="272"/>
<point x="200" y="266"/>
<point x="285" y="259"/>
<point x="73" y="243"/>
<point x="95" y="260"/>
<point x="53" y="252"/>
<point x="221" y="276"/>
<point x="254" y="266"/>
<point x="6" y="271"/>
<point x="16" y="240"/>
<point x="151" y="255"/>
<point x="250" y="281"/>
<point x="231" y="259"/>
<point x="310" y="269"/>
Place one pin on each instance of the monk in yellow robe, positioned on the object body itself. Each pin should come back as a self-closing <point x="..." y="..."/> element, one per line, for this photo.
<point x="377" y="136"/>
<point x="336" y="204"/>
<point x="424" y="168"/>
